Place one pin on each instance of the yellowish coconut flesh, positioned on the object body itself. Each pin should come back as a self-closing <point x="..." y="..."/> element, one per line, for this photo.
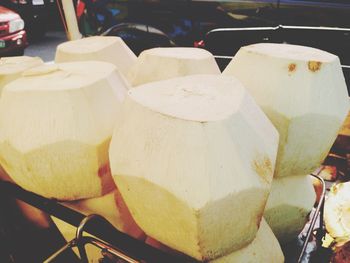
<point x="291" y="200"/>
<point x="102" y="48"/>
<point x="165" y="63"/>
<point x="112" y="207"/>
<point x="264" y="248"/>
<point x="11" y="68"/>
<point x="337" y="211"/>
<point x="195" y="150"/>
<point x="56" y="123"/>
<point x="302" y="90"/>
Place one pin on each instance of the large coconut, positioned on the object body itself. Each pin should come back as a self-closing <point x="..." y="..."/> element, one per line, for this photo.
<point x="193" y="158"/>
<point x="337" y="211"/>
<point x="264" y="248"/>
<point x="55" y="127"/>
<point x="11" y="68"/>
<point x="290" y="201"/>
<point x="101" y="48"/>
<point x="303" y="92"/>
<point x="165" y="63"/>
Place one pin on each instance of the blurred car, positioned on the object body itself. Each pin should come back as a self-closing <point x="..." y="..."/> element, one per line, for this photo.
<point x="13" y="39"/>
<point x="140" y="37"/>
<point x="187" y="21"/>
<point x="34" y="14"/>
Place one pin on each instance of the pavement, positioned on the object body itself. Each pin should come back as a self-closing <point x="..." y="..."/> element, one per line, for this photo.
<point x="46" y="47"/>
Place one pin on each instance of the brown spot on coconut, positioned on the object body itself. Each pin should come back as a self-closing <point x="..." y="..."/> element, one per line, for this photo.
<point x="314" y="65"/>
<point x="263" y="168"/>
<point x="292" y="67"/>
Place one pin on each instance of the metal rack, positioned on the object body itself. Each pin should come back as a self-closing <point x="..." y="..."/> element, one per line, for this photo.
<point x="317" y="215"/>
<point x="119" y="247"/>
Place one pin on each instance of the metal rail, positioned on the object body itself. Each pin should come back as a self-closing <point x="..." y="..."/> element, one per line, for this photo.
<point x="116" y="243"/>
<point x="99" y="227"/>
<point x="317" y="214"/>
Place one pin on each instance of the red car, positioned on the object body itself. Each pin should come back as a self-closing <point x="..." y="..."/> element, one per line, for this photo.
<point x="13" y="39"/>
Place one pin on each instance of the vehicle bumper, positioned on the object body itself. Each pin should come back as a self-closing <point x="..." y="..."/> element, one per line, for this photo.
<point x="14" y="42"/>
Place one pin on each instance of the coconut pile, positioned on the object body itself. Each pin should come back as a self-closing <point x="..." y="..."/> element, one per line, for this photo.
<point x="171" y="151"/>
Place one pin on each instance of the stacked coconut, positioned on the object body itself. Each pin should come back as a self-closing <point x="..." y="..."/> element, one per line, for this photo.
<point x="200" y="154"/>
<point x="303" y="92"/>
<point x="165" y="63"/>
<point x="184" y="217"/>
<point x="107" y="49"/>
<point x="56" y="125"/>
<point x="11" y="68"/>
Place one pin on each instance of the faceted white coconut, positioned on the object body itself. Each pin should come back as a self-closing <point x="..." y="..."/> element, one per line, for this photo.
<point x="165" y="63"/>
<point x="101" y="48"/>
<point x="303" y="92"/>
<point x="264" y="248"/>
<point x="337" y="211"/>
<point x="193" y="158"/>
<point x="291" y="200"/>
<point x="56" y="123"/>
<point x="112" y="207"/>
<point x="11" y="68"/>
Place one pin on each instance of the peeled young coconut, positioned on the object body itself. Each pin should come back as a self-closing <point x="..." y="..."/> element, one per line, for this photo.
<point x="302" y="90"/>
<point x="165" y="63"/>
<point x="193" y="158"/>
<point x="101" y="48"/>
<point x="112" y="207"/>
<point x="11" y="68"/>
<point x="254" y="252"/>
<point x="56" y="123"/>
<point x="337" y="211"/>
<point x="264" y="248"/>
<point x="291" y="200"/>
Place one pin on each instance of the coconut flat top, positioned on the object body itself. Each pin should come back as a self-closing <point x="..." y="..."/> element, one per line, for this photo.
<point x="200" y="98"/>
<point x="292" y="52"/>
<point x="178" y="52"/>
<point x="63" y="76"/>
<point x="89" y="44"/>
<point x="13" y="65"/>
